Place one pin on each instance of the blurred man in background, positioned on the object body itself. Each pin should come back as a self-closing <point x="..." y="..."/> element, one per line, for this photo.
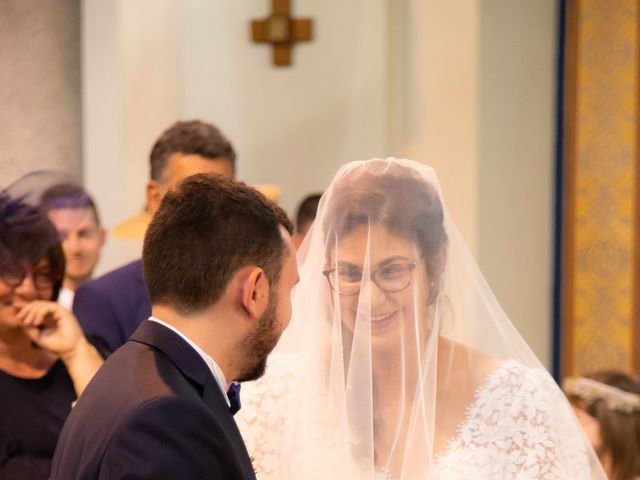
<point x="112" y="306"/>
<point x="305" y="216"/>
<point x="73" y="212"/>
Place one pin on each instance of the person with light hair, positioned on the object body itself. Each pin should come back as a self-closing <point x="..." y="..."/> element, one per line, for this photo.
<point x="607" y="402"/>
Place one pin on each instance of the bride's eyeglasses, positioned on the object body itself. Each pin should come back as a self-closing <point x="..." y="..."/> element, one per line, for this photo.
<point x="389" y="277"/>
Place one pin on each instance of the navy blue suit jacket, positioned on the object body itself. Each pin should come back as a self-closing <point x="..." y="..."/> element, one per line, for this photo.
<point x="153" y="411"/>
<point x="111" y="307"/>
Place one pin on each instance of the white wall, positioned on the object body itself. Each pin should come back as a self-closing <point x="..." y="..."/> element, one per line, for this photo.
<point x="515" y="209"/>
<point x="150" y="62"/>
<point x="463" y="85"/>
<point x="292" y="126"/>
<point x="40" y="113"/>
<point x="441" y="106"/>
<point x="476" y="98"/>
<point x="132" y="73"/>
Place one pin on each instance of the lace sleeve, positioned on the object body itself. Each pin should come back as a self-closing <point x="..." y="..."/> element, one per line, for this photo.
<point x="266" y="404"/>
<point x="519" y="427"/>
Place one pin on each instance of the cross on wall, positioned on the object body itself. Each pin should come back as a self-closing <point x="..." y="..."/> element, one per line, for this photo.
<point x="282" y="31"/>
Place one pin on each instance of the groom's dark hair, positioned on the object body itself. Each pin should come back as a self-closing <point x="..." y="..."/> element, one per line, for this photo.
<point x="203" y="232"/>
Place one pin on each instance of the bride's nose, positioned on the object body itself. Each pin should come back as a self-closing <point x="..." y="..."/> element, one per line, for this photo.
<point x="377" y="296"/>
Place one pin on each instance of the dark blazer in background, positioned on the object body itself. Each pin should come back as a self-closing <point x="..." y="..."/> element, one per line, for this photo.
<point x="111" y="307"/>
<point x="153" y="411"/>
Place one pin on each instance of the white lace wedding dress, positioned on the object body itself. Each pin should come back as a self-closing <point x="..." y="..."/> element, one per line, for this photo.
<point x="514" y="429"/>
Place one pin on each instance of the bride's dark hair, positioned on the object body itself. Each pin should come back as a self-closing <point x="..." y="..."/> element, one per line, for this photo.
<point x="400" y="201"/>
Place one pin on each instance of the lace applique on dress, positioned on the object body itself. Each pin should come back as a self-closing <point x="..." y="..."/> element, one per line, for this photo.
<point x="517" y="428"/>
<point x="262" y="419"/>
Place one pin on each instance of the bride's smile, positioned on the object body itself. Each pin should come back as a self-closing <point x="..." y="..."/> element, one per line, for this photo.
<point x="382" y="284"/>
<point x="380" y="321"/>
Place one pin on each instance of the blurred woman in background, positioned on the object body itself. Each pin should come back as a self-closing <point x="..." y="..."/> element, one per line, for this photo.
<point x="45" y="360"/>
<point x="607" y="403"/>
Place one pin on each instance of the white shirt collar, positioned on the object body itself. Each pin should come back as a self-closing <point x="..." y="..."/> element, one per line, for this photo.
<point x="65" y="297"/>
<point x="211" y="363"/>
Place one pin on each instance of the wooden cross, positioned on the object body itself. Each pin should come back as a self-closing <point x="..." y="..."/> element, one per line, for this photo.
<point x="281" y="31"/>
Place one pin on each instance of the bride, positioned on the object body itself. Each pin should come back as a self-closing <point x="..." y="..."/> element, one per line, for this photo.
<point x="399" y="363"/>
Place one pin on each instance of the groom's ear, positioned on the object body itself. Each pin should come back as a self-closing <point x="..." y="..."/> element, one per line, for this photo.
<point x="253" y="292"/>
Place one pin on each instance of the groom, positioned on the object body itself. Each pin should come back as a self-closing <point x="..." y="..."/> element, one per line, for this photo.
<point x="219" y="264"/>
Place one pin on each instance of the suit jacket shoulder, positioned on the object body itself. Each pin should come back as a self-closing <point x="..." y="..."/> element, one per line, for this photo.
<point x="153" y="410"/>
<point x="170" y="437"/>
<point x="111" y="307"/>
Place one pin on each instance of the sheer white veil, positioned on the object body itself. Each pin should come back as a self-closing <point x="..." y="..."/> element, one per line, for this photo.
<point x="407" y="365"/>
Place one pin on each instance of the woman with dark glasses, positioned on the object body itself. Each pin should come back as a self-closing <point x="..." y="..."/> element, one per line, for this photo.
<point x="45" y="360"/>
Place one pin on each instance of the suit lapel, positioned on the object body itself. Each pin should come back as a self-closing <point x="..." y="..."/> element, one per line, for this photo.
<point x="192" y="366"/>
<point x="214" y="399"/>
<point x="188" y="361"/>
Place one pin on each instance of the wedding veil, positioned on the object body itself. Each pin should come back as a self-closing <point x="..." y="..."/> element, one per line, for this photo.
<point x="402" y="364"/>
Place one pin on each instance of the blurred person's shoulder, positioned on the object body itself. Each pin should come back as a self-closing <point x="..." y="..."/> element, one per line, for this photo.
<point x="118" y="279"/>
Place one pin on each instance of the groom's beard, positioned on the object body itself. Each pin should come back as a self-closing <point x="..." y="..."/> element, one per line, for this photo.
<point x="255" y="347"/>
